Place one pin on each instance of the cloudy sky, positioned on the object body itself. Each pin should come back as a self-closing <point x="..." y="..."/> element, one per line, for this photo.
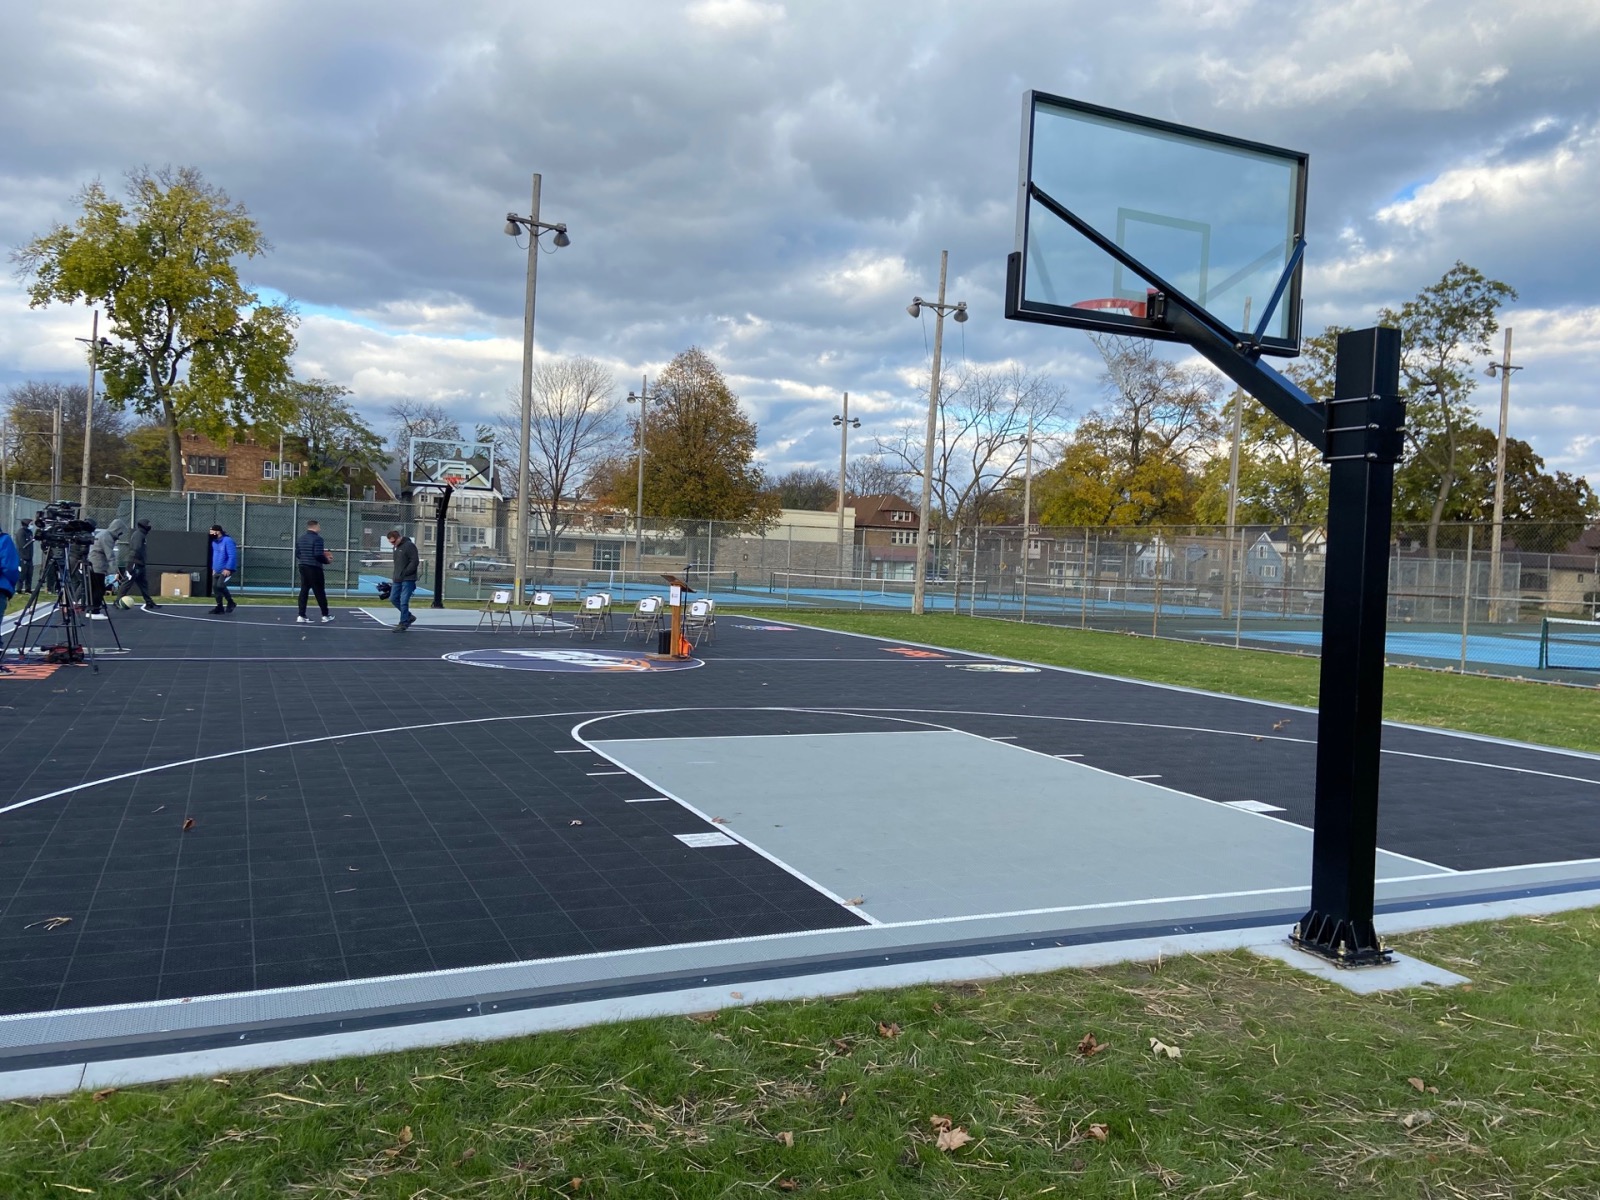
<point x="774" y="180"/>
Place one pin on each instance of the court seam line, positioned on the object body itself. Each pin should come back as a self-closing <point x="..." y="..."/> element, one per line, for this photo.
<point x="1191" y="691"/>
<point x="205" y="758"/>
<point x="673" y="796"/>
<point x="1265" y="737"/>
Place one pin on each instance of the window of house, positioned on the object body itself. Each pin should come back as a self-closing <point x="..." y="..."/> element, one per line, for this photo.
<point x="291" y="470"/>
<point x="207" y="464"/>
<point x="902" y="537"/>
<point x="471" y="535"/>
<point x="897" y="515"/>
<point x="269" y="470"/>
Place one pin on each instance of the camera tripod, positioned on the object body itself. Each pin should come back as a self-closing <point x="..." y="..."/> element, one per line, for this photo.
<point x="68" y="583"/>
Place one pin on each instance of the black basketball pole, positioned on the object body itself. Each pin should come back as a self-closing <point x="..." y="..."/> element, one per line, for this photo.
<point x="441" y="507"/>
<point x="1364" y="440"/>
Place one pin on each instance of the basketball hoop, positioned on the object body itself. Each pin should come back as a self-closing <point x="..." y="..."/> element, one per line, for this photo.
<point x="454" y="481"/>
<point x="1134" y="308"/>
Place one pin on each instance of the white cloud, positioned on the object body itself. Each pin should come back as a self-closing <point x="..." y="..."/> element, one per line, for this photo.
<point x="735" y="15"/>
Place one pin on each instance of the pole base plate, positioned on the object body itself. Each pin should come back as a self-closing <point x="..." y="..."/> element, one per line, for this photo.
<point x="1343" y="941"/>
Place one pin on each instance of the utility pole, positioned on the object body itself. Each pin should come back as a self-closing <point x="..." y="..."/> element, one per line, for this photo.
<point x="279" y="471"/>
<point x="1228" y="599"/>
<point x="1027" y="503"/>
<point x="643" y="400"/>
<point x="521" y="557"/>
<point x="88" y="408"/>
<point x="844" y="422"/>
<point x="55" y="450"/>
<point x="1503" y="368"/>
<point x="920" y="579"/>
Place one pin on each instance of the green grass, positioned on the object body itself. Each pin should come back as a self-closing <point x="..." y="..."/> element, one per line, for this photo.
<point x="1287" y="1086"/>
<point x="1535" y="712"/>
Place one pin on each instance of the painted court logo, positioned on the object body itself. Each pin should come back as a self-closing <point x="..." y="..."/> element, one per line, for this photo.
<point x="996" y="668"/>
<point x="583" y="662"/>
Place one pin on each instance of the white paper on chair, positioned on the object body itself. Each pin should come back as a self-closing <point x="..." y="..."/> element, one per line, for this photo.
<point x="502" y="597"/>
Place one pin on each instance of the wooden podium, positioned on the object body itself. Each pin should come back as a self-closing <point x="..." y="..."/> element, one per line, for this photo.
<point x="677" y="589"/>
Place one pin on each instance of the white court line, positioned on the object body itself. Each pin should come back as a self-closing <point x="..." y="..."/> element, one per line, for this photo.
<point x="569" y="752"/>
<point x="592" y="774"/>
<point x="706" y="817"/>
<point x="1193" y="691"/>
<point x="1066" y="756"/>
<point x="646" y="800"/>
<point x="1144" y="777"/>
<point x="331" y="737"/>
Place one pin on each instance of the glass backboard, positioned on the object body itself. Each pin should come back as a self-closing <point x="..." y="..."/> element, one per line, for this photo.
<point x="468" y="466"/>
<point x="1215" y="217"/>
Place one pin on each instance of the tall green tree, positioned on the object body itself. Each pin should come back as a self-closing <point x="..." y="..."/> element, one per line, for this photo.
<point x="1134" y="459"/>
<point x="700" y="452"/>
<point x="337" y="446"/>
<point x="192" y="347"/>
<point x="1445" y="334"/>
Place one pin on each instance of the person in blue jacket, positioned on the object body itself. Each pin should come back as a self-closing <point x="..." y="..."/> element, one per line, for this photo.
<point x="10" y="570"/>
<point x="224" y="566"/>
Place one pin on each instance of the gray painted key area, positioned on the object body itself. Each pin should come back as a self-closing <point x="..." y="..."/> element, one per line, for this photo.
<point x="931" y="824"/>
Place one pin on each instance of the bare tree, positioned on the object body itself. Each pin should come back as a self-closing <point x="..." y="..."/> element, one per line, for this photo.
<point x="575" y="425"/>
<point x="872" y="475"/>
<point x="980" y="438"/>
<point x="417" y="418"/>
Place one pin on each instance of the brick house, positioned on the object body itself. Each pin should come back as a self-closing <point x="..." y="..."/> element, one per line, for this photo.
<point x="246" y="467"/>
<point x="886" y="536"/>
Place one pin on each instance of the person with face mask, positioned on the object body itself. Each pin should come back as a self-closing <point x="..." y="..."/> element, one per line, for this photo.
<point x="224" y="566"/>
<point x="136" y="566"/>
<point x="404" y="581"/>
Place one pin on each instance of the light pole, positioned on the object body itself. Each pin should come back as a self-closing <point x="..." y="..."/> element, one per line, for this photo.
<point x="920" y="580"/>
<point x="534" y="228"/>
<point x="1503" y="369"/>
<point x="94" y="342"/>
<point x="132" y="495"/>
<point x="642" y="399"/>
<point x="845" y="424"/>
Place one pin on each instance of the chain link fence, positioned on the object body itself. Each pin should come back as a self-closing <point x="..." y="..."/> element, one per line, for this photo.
<point x="1454" y="600"/>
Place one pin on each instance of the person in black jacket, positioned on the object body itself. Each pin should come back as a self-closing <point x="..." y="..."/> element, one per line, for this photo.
<point x="25" y="555"/>
<point x="403" y="580"/>
<point x="310" y="556"/>
<point x="136" y="577"/>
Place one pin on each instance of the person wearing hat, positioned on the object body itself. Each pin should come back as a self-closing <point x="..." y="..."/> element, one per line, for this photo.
<point x="103" y="564"/>
<point x="136" y="577"/>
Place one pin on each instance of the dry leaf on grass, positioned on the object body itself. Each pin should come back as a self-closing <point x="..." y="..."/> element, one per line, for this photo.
<point x="705" y="1018"/>
<point x="939" y="1123"/>
<point x="1416" y="1120"/>
<point x="1098" y="1132"/>
<point x="890" y="1030"/>
<point x="855" y="901"/>
<point x="1089" y="1046"/>
<point x="402" y="1140"/>
<point x="575" y="1183"/>
<point x="953" y="1139"/>
<point x="788" y="1185"/>
<point x="100" y="1096"/>
<point x="786" y="1138"/>
<point x="467" y="1155"/>
<point x="842" y="1045"/>
<point x="1422" y="1087"/>
<point x="1161" y="1050"/>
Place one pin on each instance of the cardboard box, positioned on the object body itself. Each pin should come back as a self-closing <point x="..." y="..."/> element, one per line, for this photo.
<point x="173" y="584"/>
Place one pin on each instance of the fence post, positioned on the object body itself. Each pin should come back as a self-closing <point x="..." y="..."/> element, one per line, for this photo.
<point x="1155" y="606"/>
<point x="347" y="548"/>
<point x="1088" y="595"/>
<point x="244" y="512"/>
<point x="1238" y="598"/>
<point x="1466" y="601"/>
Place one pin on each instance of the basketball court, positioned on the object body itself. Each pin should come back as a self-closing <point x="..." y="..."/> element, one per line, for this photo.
<point x="260" y="834"/>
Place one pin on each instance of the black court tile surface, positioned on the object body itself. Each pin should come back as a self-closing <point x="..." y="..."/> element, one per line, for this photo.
<point x="245" y="803"/>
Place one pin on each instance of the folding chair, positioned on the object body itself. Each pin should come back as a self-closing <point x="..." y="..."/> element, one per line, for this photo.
<point x="700" y="621"/>
<point x="646" y="619"/>
<point x="594" y="615"/>
<point x="496" y="609"/>
<point x="538" y="613"/>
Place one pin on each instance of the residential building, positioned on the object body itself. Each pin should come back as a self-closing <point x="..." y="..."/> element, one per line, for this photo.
<point x="886" y="536"/>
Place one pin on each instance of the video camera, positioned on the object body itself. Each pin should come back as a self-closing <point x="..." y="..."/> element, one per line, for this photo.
<point x="58" y="524"/>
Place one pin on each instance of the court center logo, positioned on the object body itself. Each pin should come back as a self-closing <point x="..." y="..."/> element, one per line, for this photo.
<point x="583" y="662"/>
<point x="996" y="668"/>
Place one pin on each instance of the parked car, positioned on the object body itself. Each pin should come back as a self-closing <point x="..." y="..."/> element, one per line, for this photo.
<point x="476" y="564"/>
